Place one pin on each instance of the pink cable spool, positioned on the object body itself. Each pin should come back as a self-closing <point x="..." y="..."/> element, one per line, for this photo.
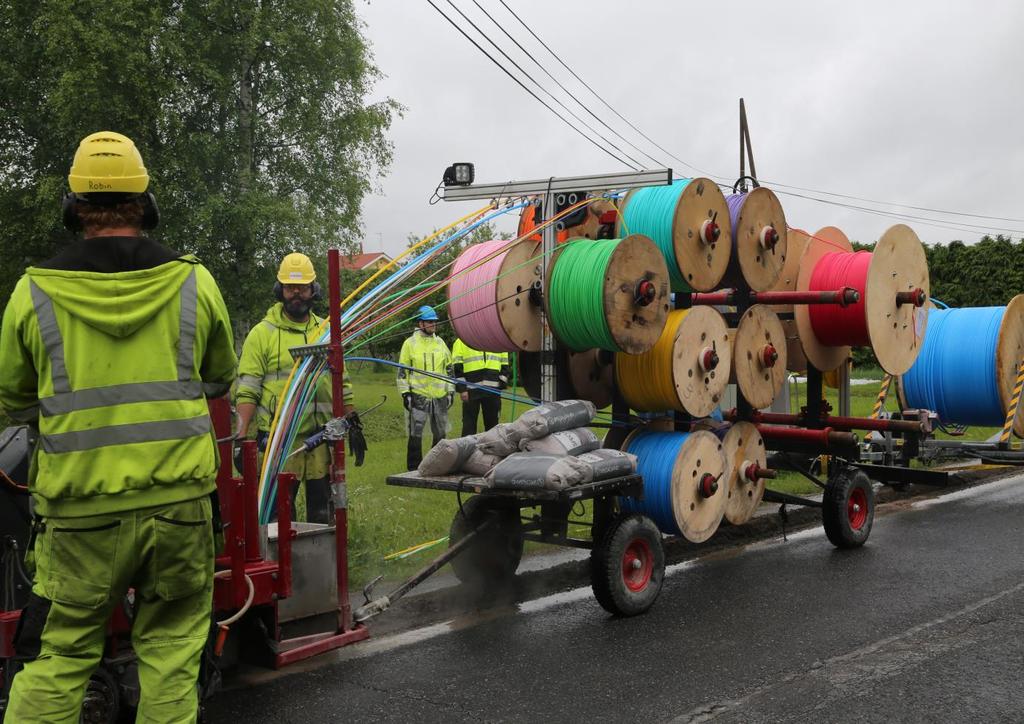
<point x="489" y="296"/>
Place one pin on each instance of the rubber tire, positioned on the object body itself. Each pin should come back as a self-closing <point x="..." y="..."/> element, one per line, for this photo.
<point x="606" y="579"/>
<point x="834" y="515"/>
<point x="492" y="559"/>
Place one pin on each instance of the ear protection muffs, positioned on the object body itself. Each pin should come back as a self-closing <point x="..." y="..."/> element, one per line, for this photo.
<point x="72" y="221"/>
<point x="279" y="291"/>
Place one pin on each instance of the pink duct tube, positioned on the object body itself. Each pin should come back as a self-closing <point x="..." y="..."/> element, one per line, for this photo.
<point x="473" y="297"/>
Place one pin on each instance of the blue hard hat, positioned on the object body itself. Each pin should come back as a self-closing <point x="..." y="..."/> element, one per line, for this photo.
<point x="427" y="314"/>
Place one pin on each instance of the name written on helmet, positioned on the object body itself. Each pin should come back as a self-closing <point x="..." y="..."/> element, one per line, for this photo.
<point x="99" y="186"/>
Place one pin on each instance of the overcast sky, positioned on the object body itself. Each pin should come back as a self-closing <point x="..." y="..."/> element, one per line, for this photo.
<point x="917" y="103"/>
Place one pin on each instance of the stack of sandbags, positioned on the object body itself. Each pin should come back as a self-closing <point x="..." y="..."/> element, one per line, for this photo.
<point x="556" y="430"/>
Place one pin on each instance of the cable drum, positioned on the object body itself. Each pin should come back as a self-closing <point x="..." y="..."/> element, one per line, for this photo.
<point x="893" y="285"/>
<point x="688" y="221"/>
<point x="489" y="293"/>
<point x="759" y="355"/>
<point x="796" y="240"/>
<point x="759" y="239"/>
<point x="685" y="481"/>
<point x="968" y="365"/>
<point x="609" y="294"/>
<point x="687" y="369"/>
<point x="745" y="456"/>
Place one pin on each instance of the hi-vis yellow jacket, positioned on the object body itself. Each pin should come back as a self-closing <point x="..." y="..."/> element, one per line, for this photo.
<point x="266" y="364"/>
<point x="429" y="353"/>
<point x="115" y="368"/>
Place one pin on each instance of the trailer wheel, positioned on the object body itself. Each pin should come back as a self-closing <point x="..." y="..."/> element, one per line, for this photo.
<point x="848" y="508"/>
<point x="495" y="554"/>
<point x="627" y="566"/>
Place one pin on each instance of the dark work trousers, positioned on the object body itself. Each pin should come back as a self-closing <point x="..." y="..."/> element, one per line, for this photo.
<point x="491" y="406"/>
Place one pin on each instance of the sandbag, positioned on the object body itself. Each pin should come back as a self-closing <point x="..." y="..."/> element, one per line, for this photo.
<point x="604" y="464"/>
<point x="480" y="463"/>
<point x="500" y="440"/>
<point x="552" y="417"/>
<point x="448" y="456"/>
<point x="566" y="442"/>
<point x="535" y="471"/>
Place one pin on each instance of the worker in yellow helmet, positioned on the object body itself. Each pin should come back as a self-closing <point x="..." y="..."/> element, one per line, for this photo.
<point x="111" y="349"/>
<point x="264" y="369"/>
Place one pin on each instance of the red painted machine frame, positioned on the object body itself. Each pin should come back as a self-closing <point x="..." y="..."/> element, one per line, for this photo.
<point x="272" y="580"/>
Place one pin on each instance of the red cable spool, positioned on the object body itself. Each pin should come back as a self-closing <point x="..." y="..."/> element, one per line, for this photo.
<point x="893" y="284"/>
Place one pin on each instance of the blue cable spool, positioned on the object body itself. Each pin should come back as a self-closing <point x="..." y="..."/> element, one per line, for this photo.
<point x="685" y="481"/>
<point x="689" y="222"/>
<point x="968" y="364"/>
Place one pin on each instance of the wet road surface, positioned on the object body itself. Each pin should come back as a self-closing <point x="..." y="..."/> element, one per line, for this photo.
<point x="925" y="623"/>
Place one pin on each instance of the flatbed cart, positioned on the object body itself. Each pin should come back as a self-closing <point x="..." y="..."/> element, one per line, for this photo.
<point x="627" y="560"/>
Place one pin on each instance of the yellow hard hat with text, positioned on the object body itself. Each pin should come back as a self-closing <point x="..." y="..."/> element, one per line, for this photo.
<point x="108" y="162"/>
<point x="296" y="269"/>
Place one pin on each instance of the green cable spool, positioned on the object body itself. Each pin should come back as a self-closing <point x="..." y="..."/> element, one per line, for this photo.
<point x="689" y="222"/>
<point x="608" y="294"/>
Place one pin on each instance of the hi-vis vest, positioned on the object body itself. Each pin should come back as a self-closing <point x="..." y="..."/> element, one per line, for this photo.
<point x="429" y="353"/>
<point x="479" y="367"/>
<point x="120" y="365"/>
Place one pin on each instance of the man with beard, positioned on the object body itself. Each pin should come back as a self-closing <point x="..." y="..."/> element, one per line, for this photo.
<point x="265" y="366"/>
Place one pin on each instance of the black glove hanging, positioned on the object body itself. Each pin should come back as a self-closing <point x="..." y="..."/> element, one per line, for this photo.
<point x="356" y="440"/>
<point x="407" y="400"/>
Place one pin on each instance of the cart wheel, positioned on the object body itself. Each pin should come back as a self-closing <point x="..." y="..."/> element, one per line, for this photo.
<point x="848" y="508"/>
<point x="494" y="557"/>
<point x="627" y="566"/>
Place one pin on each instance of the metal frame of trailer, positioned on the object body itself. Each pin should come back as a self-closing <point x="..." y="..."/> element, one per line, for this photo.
<point x="627" y="559"/>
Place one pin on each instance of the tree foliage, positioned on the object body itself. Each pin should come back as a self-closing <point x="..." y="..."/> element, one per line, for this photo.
<point x="251" y="115"/>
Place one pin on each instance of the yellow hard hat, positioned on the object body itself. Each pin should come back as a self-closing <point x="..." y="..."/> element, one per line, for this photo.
<point x="107" y="162"/>
<point x="296" y="269"/>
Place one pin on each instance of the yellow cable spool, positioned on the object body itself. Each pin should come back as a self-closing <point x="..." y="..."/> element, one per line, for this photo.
<point x="686" y="370"/>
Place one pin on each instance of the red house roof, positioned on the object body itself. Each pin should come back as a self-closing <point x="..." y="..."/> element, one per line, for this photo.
<point x="363" y="261"/>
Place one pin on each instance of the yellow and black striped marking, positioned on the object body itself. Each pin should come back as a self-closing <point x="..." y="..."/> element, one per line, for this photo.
<point x="1011" y="412"/>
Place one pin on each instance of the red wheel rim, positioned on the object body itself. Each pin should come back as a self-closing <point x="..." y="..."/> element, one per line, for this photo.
<point x="857" y="508"/>
<point x="637" y="564"/>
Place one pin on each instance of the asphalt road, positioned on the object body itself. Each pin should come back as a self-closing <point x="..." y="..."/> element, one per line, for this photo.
<point x="923" y="624"/>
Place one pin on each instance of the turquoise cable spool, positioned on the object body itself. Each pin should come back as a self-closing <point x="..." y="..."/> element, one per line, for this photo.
<point x="685" y="220"/>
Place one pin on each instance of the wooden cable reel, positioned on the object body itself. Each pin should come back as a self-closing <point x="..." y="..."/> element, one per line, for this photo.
<point x="895" y="325"/>
<point x="592" y="376"/>
<point x="760" y="242"/>
<point x="759" y="355"/>
<point x="635" y="292"/>
<point x="701" y="233"/>
<point x="1008" y="354"/>
<point x="701" y="459"/>
<point x="797" y="240"/>
<point x="516" y="292"/>
<point x="701" y="356"/>
<point x="745" y="457"/>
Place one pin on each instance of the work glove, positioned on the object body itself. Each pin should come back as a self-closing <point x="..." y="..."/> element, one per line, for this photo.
<point x="451" y="399"/>
<point x="407" y="400"/>
<point x="356" y="440"/>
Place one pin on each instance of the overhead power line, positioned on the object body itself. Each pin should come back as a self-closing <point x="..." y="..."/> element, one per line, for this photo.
<point x="528" y="90"/>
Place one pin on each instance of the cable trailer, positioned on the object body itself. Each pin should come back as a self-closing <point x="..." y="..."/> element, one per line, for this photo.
<point x="485" y="544"/>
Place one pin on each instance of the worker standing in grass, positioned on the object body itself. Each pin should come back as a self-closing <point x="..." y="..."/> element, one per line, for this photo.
<point x="265" y="367"/>
<point x="111" y="348"/>
<point x="426" y="398"/>
<point x="483" y="369"/>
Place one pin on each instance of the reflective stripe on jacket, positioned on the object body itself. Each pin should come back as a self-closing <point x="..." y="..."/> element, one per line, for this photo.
<point x="266" y="365"/>
<point x="488" y="369"/>
<point x="429" y="353"/>
<point x="118" y="367"/>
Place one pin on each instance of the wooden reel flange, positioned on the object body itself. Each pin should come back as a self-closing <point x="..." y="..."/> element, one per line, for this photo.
<point x="759" y="355"/>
